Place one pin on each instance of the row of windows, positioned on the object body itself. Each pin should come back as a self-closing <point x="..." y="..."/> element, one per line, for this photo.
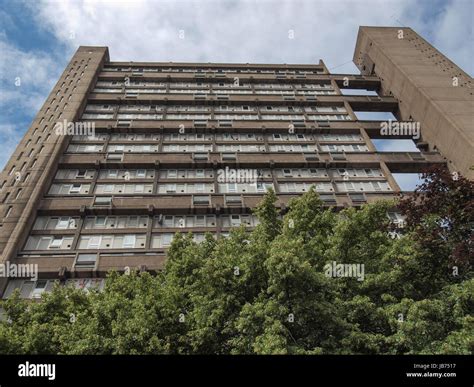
<point x="219" y="137"/>
<point x="129" y="92"/>
<point x="130" y="174"/>
<point x="305" y="187"/>
<point x="34" y="289"/>
<point x="208" y="109"/>
<point x="117" y="241"/>
<point x="349" y="186"/>
<point x="244" y="117"/>
<point x="49" y="242"/>
<point x="170" y="148"/>
<point x="197" y="188"/>
<point x="113" y="241"/>
<point x="136" y="241"/>
<point x="136" y="221"/>
<point x="126" y="174"/>
<point x="182" y="221"/>
<point x="211" y="70"/>
<point x="98" y="242"/>
<point x="278" y="86"/>
<point x="187" y="188"/>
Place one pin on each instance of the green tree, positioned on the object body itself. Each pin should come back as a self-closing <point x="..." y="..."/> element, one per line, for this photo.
<point x="266" y="290"/>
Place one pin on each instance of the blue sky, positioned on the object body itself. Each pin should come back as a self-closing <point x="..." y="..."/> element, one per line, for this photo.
<point x="37" y="38"/>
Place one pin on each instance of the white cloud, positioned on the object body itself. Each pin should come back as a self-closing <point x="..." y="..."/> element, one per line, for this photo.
<point x="454" y="34"/>
<point x="9" y="137"/>
<point x="34" y="69"/>
<point x="26" y="78"/>
<point x="245" y="31"/>
<point x="447" y="26"/>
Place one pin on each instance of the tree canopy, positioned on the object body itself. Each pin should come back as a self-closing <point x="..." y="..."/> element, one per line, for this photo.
<point x="267" y="290"/>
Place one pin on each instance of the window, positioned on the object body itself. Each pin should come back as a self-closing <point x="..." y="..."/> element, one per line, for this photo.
<point x="86" y="260"/>
<point x="180" y="221"/>
<point x="43" y="243"/>
<point x="328" y="199"/>
<point x="172" y="173"/>
<point x="113" y="173"/>
<point x="377" y="186"/>
<point x="56" y="243"/>
<point x="235" y="220"/>
<point x="232" y="199"/>
<point x="200" y="156"/>
<point x="114" y="157"/>
<point x="103" y="201"/>
<point x="357" y="198"/>
<point x="48" y="242"/>
<point x="129" y="241"/>
<point x="168" y="221"/>
<point x="86" y="284"/>
<point x="369" y="172"/>
<point x="39" y="288"/>
<point x="199" y="187"/>
<point x="349" y="186"/>
<point x="166" y="239"/>
<point x="201" y="200"/>
<point x="63" y="223"/>
<point x="132" y="221"/>
<point x="108" y="188"/>
<point x="100" y="221"/>
<point x="75" y="188"/>
<point x="94" y="242"/>
<point x="200" y="221"/>
<point x="229" y="156"/>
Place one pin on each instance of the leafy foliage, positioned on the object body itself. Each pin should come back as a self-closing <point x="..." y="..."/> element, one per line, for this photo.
<point x="266" y="292"/>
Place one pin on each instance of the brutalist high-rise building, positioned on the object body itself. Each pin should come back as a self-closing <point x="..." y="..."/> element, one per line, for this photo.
<point x="123" y="155"/>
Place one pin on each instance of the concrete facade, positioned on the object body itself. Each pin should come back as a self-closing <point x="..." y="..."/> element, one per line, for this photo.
<point x="430" y="89"/>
